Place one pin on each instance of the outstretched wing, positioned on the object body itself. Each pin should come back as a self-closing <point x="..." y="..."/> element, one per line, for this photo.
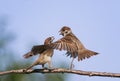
<point x="38" y="49"/>
<point x="65" y="43"/>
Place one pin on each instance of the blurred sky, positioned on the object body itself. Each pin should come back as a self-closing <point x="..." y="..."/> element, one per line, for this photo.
<point x="95" y="22"/>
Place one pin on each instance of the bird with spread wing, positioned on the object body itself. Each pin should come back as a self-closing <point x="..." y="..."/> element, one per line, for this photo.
<point x="71" y="44"/>
<point x="45" y="54"/>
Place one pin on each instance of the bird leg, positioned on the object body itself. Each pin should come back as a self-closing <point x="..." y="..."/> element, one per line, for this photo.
<point x="35" y="63"/>
<point x="49" y="64"/>
<point x="29" y="67"/>
<point x="72" y="65"/>
<point x="43" y="66"/>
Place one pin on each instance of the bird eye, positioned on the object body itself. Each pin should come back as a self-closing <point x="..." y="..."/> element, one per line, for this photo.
<point x="63" y="30"/>
<point x="66" y="32"/>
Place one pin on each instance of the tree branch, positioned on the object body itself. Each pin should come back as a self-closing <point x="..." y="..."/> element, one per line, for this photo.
<point x="61" y="70"/>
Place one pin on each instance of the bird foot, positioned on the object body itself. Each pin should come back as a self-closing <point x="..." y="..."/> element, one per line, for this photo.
<point x="45" y="68"/>
<point x="71" y="66"/>
<point x="25" y="70"/>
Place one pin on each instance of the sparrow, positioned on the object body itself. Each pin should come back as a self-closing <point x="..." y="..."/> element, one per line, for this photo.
<point x="71" y="44"/>
<point x="45" y="55"/>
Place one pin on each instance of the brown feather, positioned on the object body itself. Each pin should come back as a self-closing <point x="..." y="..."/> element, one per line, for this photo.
<point x="38" y="49"/>
<point x="64" y="44"/>
<point x="29" y="54"/>
<point x="72" y="45"/>
<point x="84" y="53"/>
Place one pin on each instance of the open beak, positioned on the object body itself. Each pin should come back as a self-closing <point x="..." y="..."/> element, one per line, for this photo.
<point x="52" y="37"/>
<point x="60" y="33"/>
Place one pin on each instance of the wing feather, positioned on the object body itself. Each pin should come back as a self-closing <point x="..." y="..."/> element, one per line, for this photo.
<point x="38" y="49"/>
<point x="65" y="43"/>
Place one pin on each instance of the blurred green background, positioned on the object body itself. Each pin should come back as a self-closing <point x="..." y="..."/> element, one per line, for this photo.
<point x="8" y="60"/>
<point x="24" y="23"/>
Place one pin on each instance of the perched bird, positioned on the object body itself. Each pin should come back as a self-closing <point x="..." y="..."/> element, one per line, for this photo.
<point x="71" y="44"/>
<point x="45" y="54"/>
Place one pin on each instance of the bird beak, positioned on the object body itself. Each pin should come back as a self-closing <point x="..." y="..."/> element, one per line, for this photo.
<point x="60" y="33"/>
<point x="52" y="37"/>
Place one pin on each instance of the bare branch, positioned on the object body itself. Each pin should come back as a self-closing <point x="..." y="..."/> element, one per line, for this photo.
<point x="61" y="70"/>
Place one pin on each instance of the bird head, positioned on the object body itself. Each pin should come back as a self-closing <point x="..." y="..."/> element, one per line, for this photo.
<point x="65" y="30"/>
<point x="49" y="40"/>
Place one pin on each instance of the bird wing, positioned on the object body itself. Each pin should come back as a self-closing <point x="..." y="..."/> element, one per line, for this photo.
<point x="65" y="43"/>
<point x="38" y="49"/>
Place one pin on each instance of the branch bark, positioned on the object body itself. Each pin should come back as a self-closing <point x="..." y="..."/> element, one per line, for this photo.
<point x="61" y="70"/>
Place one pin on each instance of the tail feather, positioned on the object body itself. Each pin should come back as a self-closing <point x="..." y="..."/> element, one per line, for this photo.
<point x="85" y="53"/>
<point x="28" y="55"/>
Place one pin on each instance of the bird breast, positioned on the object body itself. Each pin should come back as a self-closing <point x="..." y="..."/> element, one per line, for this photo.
<point x="43" y="59"/>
